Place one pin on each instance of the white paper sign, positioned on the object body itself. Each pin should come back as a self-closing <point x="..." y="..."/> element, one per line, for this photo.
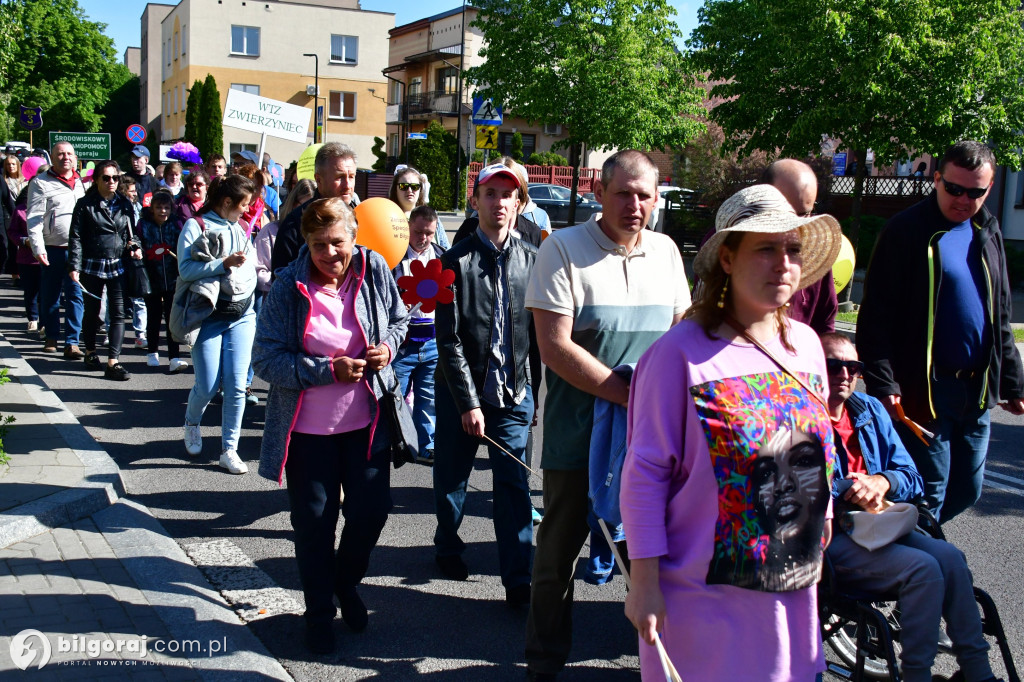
<point x="261" y="115"/>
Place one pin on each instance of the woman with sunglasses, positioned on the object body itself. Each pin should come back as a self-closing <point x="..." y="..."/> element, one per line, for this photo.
<point x="408" y="191"/>
<point x="192" y="199"/>
<point x="101" y="232"/>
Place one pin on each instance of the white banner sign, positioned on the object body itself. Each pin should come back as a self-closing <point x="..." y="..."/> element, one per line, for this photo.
<point x="261" y="115"/>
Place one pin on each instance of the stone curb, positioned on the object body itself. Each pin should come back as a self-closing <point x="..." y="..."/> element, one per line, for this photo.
<point x="101" y="483"/>
<point x="182" y="597"/>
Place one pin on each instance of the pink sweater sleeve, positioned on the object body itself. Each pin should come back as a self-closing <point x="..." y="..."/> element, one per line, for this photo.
<point x="655" y="437"/>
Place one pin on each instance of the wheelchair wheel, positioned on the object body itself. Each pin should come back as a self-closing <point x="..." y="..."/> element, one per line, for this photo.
<point x="844" y="643"/>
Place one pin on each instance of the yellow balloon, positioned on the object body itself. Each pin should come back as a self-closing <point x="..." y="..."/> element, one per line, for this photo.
<point x="384" y="228"/>
<point x="842" y="269"/>
<point x="305" y="167"/>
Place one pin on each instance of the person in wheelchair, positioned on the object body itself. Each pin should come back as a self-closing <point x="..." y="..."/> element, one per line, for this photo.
<point x="929" y="577"/>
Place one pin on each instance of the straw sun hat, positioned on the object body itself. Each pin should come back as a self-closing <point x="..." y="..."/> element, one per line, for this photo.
<point x="763" y="208"/>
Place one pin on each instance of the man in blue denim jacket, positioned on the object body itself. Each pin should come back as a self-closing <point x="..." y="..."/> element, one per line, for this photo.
<point x="929" y="576"/>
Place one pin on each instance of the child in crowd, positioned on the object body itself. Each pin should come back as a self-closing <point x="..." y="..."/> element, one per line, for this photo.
<point x="159" y="233"/>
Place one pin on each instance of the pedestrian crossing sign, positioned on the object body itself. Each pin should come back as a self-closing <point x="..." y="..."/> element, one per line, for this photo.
<point x="486" y="112"/>
<point x="487" y="137"/>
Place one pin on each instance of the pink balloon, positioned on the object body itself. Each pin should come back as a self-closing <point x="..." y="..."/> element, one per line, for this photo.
<point x="31" y="166"/>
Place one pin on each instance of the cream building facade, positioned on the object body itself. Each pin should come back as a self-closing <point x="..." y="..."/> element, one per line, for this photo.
<point x="259" y="47"/>
<point x="424" y="60"/>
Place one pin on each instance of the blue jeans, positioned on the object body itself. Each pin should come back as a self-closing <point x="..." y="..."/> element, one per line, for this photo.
<point x="417" y="362"/>
<point x="953" y="465"/>
<point x="222" y="348"/>
<point x="31" y="277"/>
<point x="453" y="462"/>
<point x="932" y="580"/>
<point x="54" y="280"/>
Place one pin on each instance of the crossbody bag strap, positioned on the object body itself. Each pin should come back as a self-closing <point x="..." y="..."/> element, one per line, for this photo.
<point x="774" y="358"/>
<point x="368" y="272"/>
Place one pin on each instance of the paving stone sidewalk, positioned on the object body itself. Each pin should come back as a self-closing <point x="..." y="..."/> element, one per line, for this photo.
<point x="91" y="585"/>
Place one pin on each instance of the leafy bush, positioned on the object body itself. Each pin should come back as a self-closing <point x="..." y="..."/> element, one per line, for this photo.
<point x="547" y="159"/>
<point x="870" y="227"/>
<point x="5" y="422"/>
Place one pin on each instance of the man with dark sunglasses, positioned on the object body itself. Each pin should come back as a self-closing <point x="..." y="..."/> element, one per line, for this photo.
<point x="930" y="576"/>
<point x="934" y="327"/>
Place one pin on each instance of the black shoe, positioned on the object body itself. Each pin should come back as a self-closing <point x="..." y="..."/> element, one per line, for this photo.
<point x="92" y="361"/>
<point x="534" y="676"/>
<point x="426" y="457"/>
<point x="453" y="567"/>
<point x="353" y="610"/>
<point x="218" y="398"/>
<point x="116" y="372"/>
<point x="518" y="595"/>
<point x="320" y="638"/>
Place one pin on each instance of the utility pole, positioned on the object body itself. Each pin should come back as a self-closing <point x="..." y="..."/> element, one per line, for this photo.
<point x="316" y="96"/>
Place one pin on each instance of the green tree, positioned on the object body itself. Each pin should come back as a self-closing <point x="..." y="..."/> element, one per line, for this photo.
<point x="896" y="76"/>
<point x="435" y="156"/>
<point x="609" y="72"/>
<point x="193" y="108"/>
<point x="381" y="164"/>
<point x="211" y="130"/>
<point x="61" y="62"/>
<point x="516" y="152"/>
<point x="10" y="35"/>
<point x="121" y="110"/>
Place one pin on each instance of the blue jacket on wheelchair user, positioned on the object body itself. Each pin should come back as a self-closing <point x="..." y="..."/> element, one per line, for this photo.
<point x="882" y="449"/>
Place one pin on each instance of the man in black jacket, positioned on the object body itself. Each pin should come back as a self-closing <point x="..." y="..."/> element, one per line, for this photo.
<point x="145" y="183"/>
<point x="484" y="385"/>
<point x="934" y="328"/>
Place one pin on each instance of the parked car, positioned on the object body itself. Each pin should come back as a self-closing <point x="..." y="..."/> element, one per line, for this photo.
<point x="555" y="200"/>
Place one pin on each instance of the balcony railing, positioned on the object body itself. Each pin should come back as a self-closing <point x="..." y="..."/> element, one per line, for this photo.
<point x="433" y="103"/>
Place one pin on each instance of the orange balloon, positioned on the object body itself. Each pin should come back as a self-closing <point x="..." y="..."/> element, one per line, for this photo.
<point x="384" y="228"/>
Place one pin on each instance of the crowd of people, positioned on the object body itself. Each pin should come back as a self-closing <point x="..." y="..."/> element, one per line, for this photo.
<point x="738" y="438"/>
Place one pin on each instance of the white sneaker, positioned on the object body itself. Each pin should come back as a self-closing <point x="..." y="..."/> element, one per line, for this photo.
<point x="193" y="439"/>
<point x="153" y="359"/>
<point x="33" y="326"/>
<point x="140" y="342"/>
<point x="178" y="365"/>
<point x="230" y="460"/>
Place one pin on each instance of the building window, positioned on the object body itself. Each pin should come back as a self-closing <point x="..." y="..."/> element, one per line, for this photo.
<point x="344" y="49"/>
<point x="184" y="34"/>
<point x="175" y="96"/>
<point x="175" y="46"/>
<point x="396" y="92"/>
<point x="394" y="144"/>
<point x="238" y="147"/>
<point x="342" y="105"/>
<point x="245" y="40"/>
<point x="251" y="89"/>
<point x="448" y="80"/>
<point x="505" y="144"/>
<point x="415" y="87"/>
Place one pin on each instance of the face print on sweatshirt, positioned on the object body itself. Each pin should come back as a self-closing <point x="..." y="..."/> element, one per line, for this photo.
<point x="773" y="458"/>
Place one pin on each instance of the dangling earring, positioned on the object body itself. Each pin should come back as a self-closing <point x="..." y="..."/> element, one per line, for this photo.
<point x="721" y="299"/>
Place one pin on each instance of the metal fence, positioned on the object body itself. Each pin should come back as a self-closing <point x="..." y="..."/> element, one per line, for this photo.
<point x="553" y="175"/>
<point x="883" y="185"/>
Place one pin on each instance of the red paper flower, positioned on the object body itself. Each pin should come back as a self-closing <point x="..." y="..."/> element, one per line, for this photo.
<point x="427" y="285"/>
<point x="158" y="251"/>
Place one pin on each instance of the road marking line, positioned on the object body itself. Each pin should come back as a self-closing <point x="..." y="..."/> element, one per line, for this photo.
<point x="251" y="592"/>
<point x="1005" y="488"/>
<point x="1004" y="477"/>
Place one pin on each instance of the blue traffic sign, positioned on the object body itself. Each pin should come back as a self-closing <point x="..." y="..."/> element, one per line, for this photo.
<point x="417" y="136"/>
<point x="136" y="134"/>
<point x="486" y="112"/>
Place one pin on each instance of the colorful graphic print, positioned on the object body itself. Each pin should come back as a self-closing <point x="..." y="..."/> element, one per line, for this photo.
<point x="740" y="416"/>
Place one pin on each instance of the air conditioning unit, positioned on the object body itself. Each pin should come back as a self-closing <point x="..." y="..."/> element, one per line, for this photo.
<point x="552" y="129"/>
<point x="311" y="91"/>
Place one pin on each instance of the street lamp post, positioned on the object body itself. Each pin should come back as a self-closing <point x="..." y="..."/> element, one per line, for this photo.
<point x="316" y="95"/>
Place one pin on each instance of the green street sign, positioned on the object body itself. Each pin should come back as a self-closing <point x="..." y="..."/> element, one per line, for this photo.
<point x="88" y="146"/>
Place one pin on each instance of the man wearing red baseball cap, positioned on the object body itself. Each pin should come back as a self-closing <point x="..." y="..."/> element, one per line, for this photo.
<point x="489" y="369"/>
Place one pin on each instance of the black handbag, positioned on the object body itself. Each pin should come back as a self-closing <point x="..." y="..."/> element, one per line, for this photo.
<point x="396" y="430"/>
<point x="136" y="279"/>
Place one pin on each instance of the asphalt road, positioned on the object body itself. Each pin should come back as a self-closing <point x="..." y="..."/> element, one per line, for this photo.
<point x="421" y="625"/>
